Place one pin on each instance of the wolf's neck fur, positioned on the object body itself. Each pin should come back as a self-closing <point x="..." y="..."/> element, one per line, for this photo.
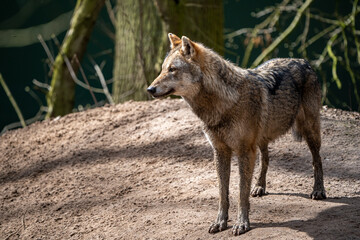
<point x="220" y="85"/>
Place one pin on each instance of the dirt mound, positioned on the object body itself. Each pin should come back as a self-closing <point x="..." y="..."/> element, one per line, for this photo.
<point x="143" y="170"/>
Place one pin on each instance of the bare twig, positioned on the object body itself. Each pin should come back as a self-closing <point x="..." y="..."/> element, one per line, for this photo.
<point x="353" y="16"/>
<point x="278" y="40"/>
<point x="12" y="100"/>
<point x="109" y="81"/>
<point x="103" y="83"/>
<point x="47" y="51"/>
<point x="306" y="30"/>
<point x="317" y="37"/>
<point x="348" y="67"/>
<point x="110" y="12"/>
<point x="85" y="79"/>
<point x="324" y="20"/>
<point x="243" y="31"/>
<point x="41" y="85"/>
<point x="334" y="58"/>
<point x="264" y="12"/>
<point x="324" y="53"/>
<point x="32" y="94"/>
<point x="268" y="10"/>
<point x="56" y="41"/>
<point x="105" y="29"/>
<point x="104" y="52"/>
<point x="38" y="116"/>
<point x="272" y="18"/>
<point x="76" y="80"/>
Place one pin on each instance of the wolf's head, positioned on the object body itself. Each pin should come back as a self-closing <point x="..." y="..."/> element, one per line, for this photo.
<point x="181" y="73"/>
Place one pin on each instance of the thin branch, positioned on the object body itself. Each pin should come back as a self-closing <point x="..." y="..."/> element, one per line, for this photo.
<point x="268" y="10"/>
<point x="84" y="77"/>
<point x="41" y="85"/>
<point x="104" y="52"/>
<point x="47" y="50"/>
<point x="39" y="116"/>
<point x="105" y="29"/>
<point x="278" y="40"/>
<point x="110" y="12"/>
<point x="76" y="80"/>
<point x="324" y="85"/>
<point x="321" y="58"/>
<point x="110" y="81"/>
<point x="243" y="31"/>
<point x="348" y="67"/>
<point x="324" y="32"/>
<point x="316" y="37"/>
<point x="302" y="37"/>
<point x="353" y="16"/>
<point x="324" y="20"/>
<point x="12" y="100"/>
<point x="334" y="59"/>
<point x="264" y="12"/>
<point x="306" y="29"/>
<point x="257" y="28"/>
<point x="33" y="95"/>
<point x="103" y="83"/>
<point x="56" y="41"/>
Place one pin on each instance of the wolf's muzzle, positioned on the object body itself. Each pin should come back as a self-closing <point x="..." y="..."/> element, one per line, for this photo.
<point x="151" y="90"/>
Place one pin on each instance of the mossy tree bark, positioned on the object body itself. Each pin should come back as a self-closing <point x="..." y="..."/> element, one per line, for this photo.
<point x="138" y="44"/>
<point x="141" y="38"/>
<point x="60" y="98"/>
<point x="201" y="21"/>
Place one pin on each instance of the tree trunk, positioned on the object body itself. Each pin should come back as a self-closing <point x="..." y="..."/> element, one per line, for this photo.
<point x="137" y="49"/>
<point x="141" y="38"/>
<point x="60" y="98"/>
<point x="201" y="21"/>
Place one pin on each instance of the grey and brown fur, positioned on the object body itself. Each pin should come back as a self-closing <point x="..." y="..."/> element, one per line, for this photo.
<point x="242" y="109"/>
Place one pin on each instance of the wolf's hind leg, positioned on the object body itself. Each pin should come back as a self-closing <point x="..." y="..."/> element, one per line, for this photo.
<point x="260" y="186"/>
<point x="313" y="140"/>
<point x="308" y="124"/>
<point x="222" y="157"/>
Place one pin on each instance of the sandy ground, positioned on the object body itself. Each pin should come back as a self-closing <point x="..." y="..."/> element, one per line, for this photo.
<point x="143" y="170"/>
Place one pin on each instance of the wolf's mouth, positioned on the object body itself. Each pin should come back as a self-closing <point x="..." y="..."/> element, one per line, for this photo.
<point x="165" y="94"/>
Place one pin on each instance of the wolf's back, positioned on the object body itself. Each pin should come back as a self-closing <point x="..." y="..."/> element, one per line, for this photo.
<point x="289" y="84"/>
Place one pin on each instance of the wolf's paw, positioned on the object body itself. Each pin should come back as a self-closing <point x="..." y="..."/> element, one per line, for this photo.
<point x="258" y="191"/>
<point x="240" y="228"/>
<point x="318" y="195"/>
<point x="218" y="226"/>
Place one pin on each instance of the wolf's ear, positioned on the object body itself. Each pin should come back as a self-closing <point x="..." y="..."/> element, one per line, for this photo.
<point x="188" y="47"/>
<point x="174" y="40"/>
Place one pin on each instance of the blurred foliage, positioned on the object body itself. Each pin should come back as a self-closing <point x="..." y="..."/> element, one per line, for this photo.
<point x="326" y="36"/>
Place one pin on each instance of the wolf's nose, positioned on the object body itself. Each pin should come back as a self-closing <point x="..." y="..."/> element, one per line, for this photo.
<point x="151" y="90"/>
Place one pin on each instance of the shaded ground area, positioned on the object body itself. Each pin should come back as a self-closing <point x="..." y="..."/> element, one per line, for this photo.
<point x="143" y="170"/>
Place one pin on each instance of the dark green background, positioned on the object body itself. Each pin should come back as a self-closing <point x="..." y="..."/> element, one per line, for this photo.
<point x="19" y="66"/>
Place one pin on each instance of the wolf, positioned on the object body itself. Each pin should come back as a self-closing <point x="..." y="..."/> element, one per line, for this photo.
<point x="242" y="110"/>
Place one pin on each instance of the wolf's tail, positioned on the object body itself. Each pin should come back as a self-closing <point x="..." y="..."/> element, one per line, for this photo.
<point x="296" y="134"/>
<point x="296" y="129"/>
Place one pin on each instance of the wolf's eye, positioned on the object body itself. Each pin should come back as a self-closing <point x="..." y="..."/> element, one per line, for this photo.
<point x="172" y="69"/>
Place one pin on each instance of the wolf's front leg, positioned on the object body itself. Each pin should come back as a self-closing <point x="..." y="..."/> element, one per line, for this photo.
<point x="246" y="160"/>
<point x="222" y="158"/>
